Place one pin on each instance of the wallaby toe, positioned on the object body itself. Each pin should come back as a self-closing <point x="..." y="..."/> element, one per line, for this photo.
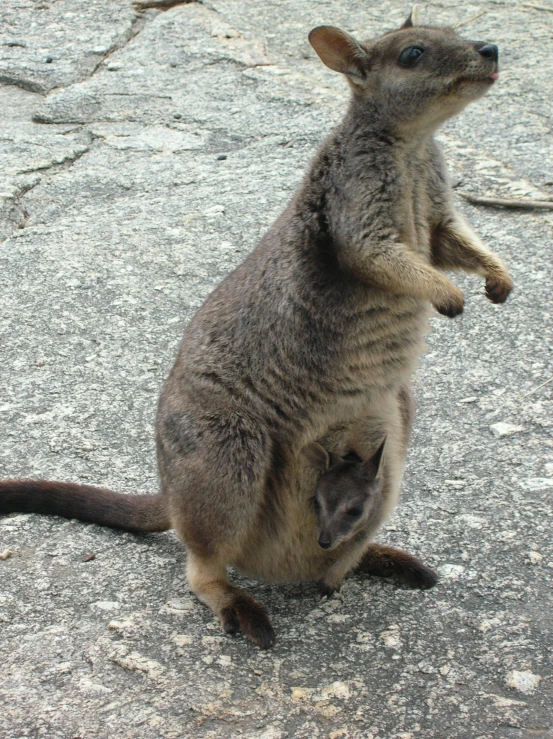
<point x="229" y="621"/>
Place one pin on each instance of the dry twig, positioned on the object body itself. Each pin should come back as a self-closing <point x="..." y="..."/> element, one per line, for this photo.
<point x="539" y="387"/>
<point x="161" y="4"/>
<point x="538" y="7"/>
<point x="469" y="20"/>
<point x="507" y="203"/>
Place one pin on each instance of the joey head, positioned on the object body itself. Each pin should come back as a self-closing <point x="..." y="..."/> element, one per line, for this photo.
<point x="347" y="499"/>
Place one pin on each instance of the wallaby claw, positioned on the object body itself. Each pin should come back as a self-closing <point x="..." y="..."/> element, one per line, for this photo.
<point x="326" y="590"/>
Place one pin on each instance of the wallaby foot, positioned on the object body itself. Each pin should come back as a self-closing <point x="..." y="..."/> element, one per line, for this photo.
<point x="237" y="610"/>
<point x="384" y="561"/>
<point x="245" y="615"/>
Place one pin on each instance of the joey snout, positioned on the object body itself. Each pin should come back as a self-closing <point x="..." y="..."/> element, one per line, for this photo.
<point x="328" y="540"/>
<point x="342" y="526"/>
<point x="325" y="541"/>
<point x="489" y="51"/>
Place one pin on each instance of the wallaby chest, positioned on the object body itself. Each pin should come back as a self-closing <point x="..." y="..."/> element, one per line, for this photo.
<point x="414" y="212"/>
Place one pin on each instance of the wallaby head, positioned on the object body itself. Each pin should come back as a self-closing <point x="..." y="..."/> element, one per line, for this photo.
<point x="347" y="494"/>
<point x="415" y="77"/>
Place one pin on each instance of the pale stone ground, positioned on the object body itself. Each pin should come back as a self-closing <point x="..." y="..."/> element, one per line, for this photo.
<point x="118" y="218"/>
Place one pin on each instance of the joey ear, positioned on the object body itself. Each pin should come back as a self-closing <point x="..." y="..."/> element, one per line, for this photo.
<point x="413" y="19"/>
<point x="339" y="51"/>
<point x="376" y="459"/>
<point x="318" y="456"/>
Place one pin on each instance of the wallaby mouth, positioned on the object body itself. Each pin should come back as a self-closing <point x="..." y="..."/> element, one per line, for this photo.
<point x="490" y="52"/>
<point x="486" y="79"/>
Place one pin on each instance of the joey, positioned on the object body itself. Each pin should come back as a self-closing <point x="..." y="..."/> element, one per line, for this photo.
<point x="347" y="504"/>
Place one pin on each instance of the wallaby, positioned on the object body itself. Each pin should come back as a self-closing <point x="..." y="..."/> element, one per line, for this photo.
<point x="313" y="338"/>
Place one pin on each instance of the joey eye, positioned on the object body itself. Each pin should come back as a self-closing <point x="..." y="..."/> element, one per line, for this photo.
<point x="410" y="56"/>
<point x="355" y="512"/>
<point x="316" y="504"/>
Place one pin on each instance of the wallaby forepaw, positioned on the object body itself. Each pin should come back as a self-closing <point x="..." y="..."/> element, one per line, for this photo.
<point x="498" y="288"/>
<point x="326" y="589"/>
<point x="452" y="306"/>
<point x="249" y="617"/>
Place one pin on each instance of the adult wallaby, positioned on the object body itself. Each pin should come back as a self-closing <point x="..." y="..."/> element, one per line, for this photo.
<point x="314" y="337"/>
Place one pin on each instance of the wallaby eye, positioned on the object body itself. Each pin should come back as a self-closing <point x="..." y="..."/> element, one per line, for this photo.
<point x="410" y="56"/>
<point x="356" y="511"/>
<point x="316" y="504"/>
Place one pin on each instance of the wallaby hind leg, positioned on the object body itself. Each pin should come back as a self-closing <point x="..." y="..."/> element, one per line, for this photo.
<point x="237" y="610"/>
<point x="384" y="561"/>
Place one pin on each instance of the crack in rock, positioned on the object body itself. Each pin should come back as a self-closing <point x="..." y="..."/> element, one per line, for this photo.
<point x="64" y="163"/>
<point x="25" y="77"/>
<point x="137" y="25"/>
<point x="24" y="84"/>
<point x="13" y="212"/>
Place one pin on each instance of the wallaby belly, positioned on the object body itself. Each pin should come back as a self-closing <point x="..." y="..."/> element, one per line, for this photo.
<point x="283" y="547"/>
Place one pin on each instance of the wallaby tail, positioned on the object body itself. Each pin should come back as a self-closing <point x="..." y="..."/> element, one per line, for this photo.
<point x="85" y="502"/>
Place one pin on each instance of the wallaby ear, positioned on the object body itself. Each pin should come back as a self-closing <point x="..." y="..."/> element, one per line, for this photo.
<point x="334" y="459"/>
<point x="339" y="51"/>
<point x="413" y="19"/>
<point x="318" y="456"/>
<point x="376" y="459"/>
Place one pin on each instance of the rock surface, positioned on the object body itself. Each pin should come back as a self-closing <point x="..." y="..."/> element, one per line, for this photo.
<point x="118" y="216"/>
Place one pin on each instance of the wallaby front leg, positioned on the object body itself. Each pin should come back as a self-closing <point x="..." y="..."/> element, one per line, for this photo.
<point x="456" y="246"/>
<point x="332" y="580"/>
<point x="393" y="267"/>
<point x="237" y="610"/>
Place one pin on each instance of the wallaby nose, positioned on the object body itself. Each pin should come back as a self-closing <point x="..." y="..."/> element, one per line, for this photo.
<point x="489" y="51"/>
<point x="324" y="542"/>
